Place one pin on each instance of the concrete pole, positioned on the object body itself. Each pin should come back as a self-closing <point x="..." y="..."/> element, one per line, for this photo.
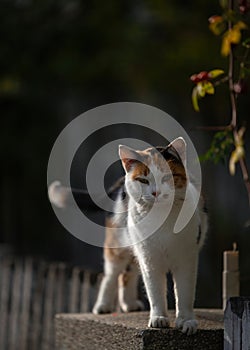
<point x="231" y="275"/>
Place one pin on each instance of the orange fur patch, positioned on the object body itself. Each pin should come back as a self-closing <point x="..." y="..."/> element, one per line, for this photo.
<point x="150" y="156"/>
<point x="123" y="279"/>
<point x="139" y="170"/>
<point x="113" y="254"/>
<point x="179" y="174"/>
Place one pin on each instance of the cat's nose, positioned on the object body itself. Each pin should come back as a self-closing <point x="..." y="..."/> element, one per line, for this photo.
<point x="156" y="193"/>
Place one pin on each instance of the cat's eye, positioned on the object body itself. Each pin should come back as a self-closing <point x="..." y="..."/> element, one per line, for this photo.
<point x="167" y="178"/>
<point x="142" y="180"/>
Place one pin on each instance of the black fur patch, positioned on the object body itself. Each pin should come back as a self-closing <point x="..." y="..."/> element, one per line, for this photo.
<point x="199" y="235"/>
<point x="169" y="153"/>
<point x="205" y="209"/>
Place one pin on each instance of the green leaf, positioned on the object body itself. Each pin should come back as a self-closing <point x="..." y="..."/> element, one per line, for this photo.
<point x="220" y="148"/>
<point x="218" y="26"/>
<point x="201" y="91"/>
<point x="195" y="99"/>
<point x="215" y="73"/>
<point x="246" y="43"/>
<point x="208" y="87"/>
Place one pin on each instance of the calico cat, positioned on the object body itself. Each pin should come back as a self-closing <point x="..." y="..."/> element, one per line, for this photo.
<point x="155" y="174"/>
<point x="155" y="186"/>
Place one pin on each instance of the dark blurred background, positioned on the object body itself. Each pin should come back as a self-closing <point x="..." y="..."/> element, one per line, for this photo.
<point x="59" y="58"/>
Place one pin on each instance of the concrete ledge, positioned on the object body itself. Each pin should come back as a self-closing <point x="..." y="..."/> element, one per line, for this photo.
<point x="129" y="332"/>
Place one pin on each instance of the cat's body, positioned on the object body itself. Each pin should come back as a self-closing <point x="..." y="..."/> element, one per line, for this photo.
<point x="161" y="251"/>
<point x="148" y="203"/>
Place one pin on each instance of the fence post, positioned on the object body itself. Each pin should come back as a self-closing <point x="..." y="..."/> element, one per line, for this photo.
<point x="231" y="275"/>
<point x="237" y="324"/>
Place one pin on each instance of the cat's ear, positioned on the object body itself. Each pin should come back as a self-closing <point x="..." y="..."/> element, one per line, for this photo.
<point x="128" y="156"/>
<point x="180" y="147"/>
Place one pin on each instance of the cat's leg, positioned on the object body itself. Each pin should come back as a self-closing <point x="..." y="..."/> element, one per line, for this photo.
<point x="156" y="286"/>
<point x="184" y="287"/>
<point x="114" y="264"/>
<point x="128" y="289"/>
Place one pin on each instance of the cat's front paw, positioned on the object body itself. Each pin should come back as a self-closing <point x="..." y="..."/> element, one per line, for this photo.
<point x="187" y="326"/>
<point x="137" y="305"/>
<point x="158" y="322"/>
<point x="102" y="309"/>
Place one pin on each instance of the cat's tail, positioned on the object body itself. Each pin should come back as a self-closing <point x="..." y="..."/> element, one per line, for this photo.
<point x="61" y="197"/>
<point x="58" y="194"/>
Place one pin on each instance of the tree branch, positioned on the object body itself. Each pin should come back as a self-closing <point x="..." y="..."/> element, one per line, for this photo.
<point x="234" y="120"/>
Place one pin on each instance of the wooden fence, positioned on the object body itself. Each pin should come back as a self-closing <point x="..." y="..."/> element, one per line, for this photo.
<point x="32" y="292"/>
<point x="237" y="324"/>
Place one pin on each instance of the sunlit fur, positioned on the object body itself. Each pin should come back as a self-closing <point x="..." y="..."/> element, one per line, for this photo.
<point x="162" y="176"/>
<point x="153" y="177"/>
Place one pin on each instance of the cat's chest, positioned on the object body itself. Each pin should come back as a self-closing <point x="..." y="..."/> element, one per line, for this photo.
<point x="165" y="251"/>
<point x="165" y="246"/>
<point x="160" y="219"/>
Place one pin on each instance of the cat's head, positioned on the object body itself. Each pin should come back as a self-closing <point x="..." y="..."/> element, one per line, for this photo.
<point x="154" y="174"/>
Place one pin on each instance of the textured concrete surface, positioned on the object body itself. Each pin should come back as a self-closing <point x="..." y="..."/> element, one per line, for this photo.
<point x="129" y="331"/>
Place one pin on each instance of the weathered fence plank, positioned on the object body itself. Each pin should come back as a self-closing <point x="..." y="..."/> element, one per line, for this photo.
<point x="16" y="295"/>
<point x="4" y="301"/>
<point x="49" y="306"/>
<point x="246" y="327"/>
<point x="31" y="293"/>
<point x="237" y="324"/>
<point x="37" y="304"/>
<point x="85" y="289"/>
<point x="74" y="291"/>
<point x="61" y="280"/>
<point x="25" y="305"/>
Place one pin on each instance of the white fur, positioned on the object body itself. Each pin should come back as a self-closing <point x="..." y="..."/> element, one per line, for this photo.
<point x="165" y="251"/>
<point x="57" y="194"/>
<point x="161" y="251"/>
<point x="107" y="293"/>
<point x="127" y="295"/>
